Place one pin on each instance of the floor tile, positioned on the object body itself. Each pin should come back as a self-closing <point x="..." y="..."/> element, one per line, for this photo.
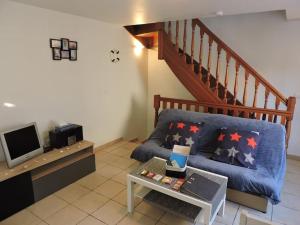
<point x="90" y="221"/>
<point x="92" y="180"/>
<point x="100" y="164"/>
<point x="91" y="202"/>
<point x="111" y="213"/>
<point x="160" y="223"/>
<point x="67" y="216"/>
<point x="171" y="219"/>
<point x="47" y="206"/>
<point x="109" y="171"/>
<point x="293" y="168"/>
<point x="114" y="146"/>
<point x="122" y="163"/>
<point x="131" y="145"/>
<point x="106" y="157"/>
<point x="293" y="178"/>
<point x="110" y="188"/>
<point x="122" y="198"/>
<point x="122" y="152"/>
<point x="218" y="223"/>
<point x="267" y="216"/>
<point x="121" y="177"/>
<point x="149" y="210"/>
<point x="134" y="166"/>
<point x="290" y="201"/>
<point x="291" y="188"/>
<point x="285" y="215"/>
<point x="137" y="219"/>
<point x="231" y="210"/>
<point x="72" y="192"/>
<point x="42" y="223"/>
<point x="24" y="217"/>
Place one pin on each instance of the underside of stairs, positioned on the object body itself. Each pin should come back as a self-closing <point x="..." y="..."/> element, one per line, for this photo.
<point x="213" y="73"/>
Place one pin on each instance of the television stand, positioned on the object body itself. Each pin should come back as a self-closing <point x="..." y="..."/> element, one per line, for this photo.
<point x="43" y="175"/>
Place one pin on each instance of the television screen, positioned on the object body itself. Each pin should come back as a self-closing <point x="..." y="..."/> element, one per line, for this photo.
<point x="22" y="141"/>
<point x="21" y="144"/>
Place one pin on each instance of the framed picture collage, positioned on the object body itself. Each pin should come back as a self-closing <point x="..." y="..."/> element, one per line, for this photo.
<point x="64" y="49"/>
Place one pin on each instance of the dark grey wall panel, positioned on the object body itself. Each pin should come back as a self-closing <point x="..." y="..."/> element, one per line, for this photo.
<point x="48" y="184"/>
<point x="15" y="194"/>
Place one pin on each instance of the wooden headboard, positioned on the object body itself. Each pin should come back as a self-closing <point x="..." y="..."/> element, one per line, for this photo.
<point x="272" y="115"/>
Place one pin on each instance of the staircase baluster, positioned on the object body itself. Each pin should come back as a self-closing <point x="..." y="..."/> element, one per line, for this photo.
<point x="177" y="33"/>
<point x="200" y="54"/>
<point x="237" y="68"/>
<point x="169" y="30"/>
<point x="165" y="104"/>
<point x="172" y="105"/>
<point x="245" y="87"/>
<point x="228" y="57"/>
<point x="218" y="71"/>
<point x="255" y="92"/>
<point x="277" y="103"/>
<point x="209" y="61"/>
<point x="184" y="40"/>
<point x="267" y="93"/>
<point x="188" y="107"/>
<point x="192" y="45"/>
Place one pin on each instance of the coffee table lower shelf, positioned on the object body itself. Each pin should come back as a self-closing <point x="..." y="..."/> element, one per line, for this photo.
<point x="173" y="205"/>
<point x="203" y="212"/>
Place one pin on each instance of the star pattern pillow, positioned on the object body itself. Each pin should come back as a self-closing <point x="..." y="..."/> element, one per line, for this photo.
<point x="182" y="133"/>
<point x="237" y="147"/>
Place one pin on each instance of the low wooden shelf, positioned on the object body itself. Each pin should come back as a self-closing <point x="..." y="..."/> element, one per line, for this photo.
<point x="40" y="176"/>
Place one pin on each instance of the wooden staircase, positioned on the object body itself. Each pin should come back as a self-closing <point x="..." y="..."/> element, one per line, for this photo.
<point x="215" y="74"/>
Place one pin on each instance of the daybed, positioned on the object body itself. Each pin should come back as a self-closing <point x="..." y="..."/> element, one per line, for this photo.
<point x="261" y="184"/>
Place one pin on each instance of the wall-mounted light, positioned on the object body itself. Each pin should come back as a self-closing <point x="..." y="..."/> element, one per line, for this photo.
<point x="9" y="105"/>
<point x="138" y="47"/>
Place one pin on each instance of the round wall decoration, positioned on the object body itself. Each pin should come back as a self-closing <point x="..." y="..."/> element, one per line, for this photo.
<point x="114" y="55"/>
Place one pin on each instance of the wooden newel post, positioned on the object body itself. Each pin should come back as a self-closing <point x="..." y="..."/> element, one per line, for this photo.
<point x="290" y="108"/>
<point x="156" y="107"/>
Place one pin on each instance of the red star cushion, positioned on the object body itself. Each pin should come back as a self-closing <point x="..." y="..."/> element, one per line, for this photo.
<point x="251" y="142"/>
<point x="194" y="129"/>
<point x="221" y="137"/>
<point x="235" y="137"/>
<point x="180" y="125"/>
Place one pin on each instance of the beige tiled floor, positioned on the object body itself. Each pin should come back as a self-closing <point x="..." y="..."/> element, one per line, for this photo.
<point x="100" y="199"/>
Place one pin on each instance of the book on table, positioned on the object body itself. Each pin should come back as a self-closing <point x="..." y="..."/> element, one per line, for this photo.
<point x="200" y="187"/>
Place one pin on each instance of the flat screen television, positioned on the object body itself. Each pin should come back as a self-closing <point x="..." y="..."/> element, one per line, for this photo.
<point x="21" y="144"/>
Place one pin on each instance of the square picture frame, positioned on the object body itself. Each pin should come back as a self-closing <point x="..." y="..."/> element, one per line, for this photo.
<point x="73" y="55"/>
<point x="64" y="44"/>
<point x="56" y="54"/>
<point x="65" y="54"/>
<point x="73" y="45"/>
<point x="55" y="43"/>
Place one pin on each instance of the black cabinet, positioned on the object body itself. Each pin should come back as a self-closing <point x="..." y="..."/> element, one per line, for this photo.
<point x="15" y="194"/>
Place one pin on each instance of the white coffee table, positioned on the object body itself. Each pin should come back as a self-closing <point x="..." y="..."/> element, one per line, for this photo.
<point x="208" y="211"/>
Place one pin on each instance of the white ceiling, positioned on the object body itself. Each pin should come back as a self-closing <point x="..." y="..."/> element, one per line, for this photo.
<point x="127" y="12"/>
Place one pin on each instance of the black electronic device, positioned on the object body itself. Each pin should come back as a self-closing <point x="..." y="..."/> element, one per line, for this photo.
<point x="65" y="135"/>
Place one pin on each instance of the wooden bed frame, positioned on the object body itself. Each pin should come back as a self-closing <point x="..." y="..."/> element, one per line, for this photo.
<point x="272" y="115"/>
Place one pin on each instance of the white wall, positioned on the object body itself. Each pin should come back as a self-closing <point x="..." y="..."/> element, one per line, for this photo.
<point x="267" y="42"/>
<point x="161" y="81"/>
<point x="108" y="99"/>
